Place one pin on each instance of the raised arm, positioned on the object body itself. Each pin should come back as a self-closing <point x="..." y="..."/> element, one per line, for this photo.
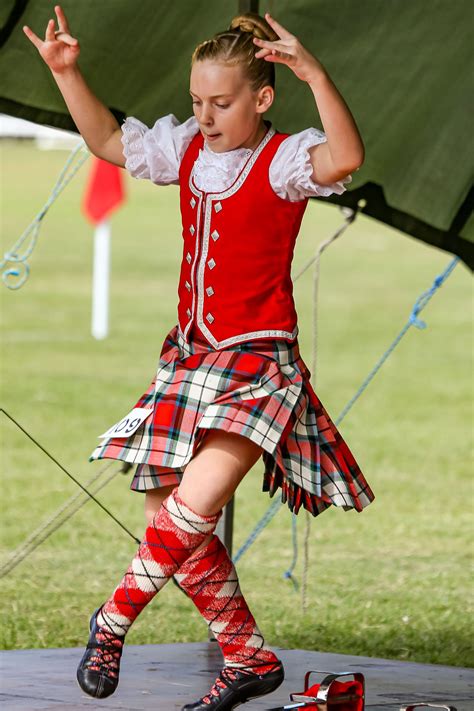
<point x="343" y="151"/>
<point x="96" y="124"/>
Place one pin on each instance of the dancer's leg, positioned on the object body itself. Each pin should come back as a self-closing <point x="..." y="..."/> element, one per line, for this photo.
<point x="178" y="528"/>
<point x="214" y="473"/>
<point x="173" y="535"/>
<point x="182" y="523"/>
<point x="210" y="579"/>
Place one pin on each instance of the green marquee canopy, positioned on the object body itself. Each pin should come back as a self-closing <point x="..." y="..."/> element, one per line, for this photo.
<point x="404" y="68"/>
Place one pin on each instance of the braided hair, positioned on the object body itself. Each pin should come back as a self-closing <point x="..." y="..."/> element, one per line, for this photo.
<point x="235" y="46"/>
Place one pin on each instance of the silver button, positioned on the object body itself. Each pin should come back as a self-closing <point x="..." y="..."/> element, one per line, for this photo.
<point x="188" y="311"/>
<point x="192" y="202"/>
<point x="211" y="263"/>
<point x="192" y="230"/>
<point x="210" y="317"/>
<point x="215" y="235"/>
<point x="209" y="291"/>
<point x="187" y="285"/>
<point x="188" y="257"/>
<point x="217" y="207"/>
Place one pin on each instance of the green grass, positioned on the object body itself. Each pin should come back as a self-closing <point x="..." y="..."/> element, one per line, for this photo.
<point x="393" y="581"/>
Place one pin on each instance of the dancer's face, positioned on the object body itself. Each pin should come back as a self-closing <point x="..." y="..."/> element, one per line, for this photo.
<point x="224" y="104"/>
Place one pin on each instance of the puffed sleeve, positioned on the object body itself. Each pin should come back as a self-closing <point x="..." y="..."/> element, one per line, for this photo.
<point x="290" y="170"/>
<point x="155" y="153"/>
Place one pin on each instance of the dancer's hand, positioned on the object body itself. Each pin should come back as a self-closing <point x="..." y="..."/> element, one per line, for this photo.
<point x="289" y="50"/>
<point x="59" y="49"/>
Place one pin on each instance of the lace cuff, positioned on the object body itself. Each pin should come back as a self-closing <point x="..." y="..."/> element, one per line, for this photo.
<point x="133" y="131"/>
<point x="155" y="153"/>
<point x="291" y="169"/>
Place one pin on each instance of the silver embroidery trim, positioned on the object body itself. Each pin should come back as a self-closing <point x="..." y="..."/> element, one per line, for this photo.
<point x="209" y="291"/>
<point x="217" y="207"/>
<point x="284" y="351"/>
<point x="196" y="251"/>
<point x="245" y="337"/>
<point x="211" y="263"/>
<point x="210" y="317"/>
<point x="215" y="235"/>
<point x="191" y="229"/>
<point x="187" y="285"/>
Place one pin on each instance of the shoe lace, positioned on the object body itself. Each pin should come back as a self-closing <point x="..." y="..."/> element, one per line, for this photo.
<point x="226" y="676"/>
<point x="108" y="652"/>
<point x="261" y="668"/>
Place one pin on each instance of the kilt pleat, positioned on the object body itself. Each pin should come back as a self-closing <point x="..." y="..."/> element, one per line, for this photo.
<point x="258" y="389"/>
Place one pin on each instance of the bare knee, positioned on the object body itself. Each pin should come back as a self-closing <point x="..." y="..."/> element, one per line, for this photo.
<point x="213" y="474"/>
<point x="153" y="500"/>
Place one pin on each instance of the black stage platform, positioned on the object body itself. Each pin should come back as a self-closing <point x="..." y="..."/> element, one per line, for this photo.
<point x="166" y="676"/>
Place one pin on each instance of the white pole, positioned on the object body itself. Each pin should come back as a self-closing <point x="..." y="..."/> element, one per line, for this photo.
<point x="100" y="281"/>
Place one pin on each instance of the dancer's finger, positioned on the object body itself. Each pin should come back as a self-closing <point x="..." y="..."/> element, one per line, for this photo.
<point x="271" y="45"/>
<point x="279" y="29"/>
<point x="65" y="37"/>
<point x="49" y="36"/>
<point x="62" y="22"/>
<point x="281" y="57"/>
<point x="32" y="36"/>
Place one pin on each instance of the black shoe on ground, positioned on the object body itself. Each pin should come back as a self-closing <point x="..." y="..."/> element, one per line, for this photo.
<point x="98" y="670"/>
<point x="235" y="686"/>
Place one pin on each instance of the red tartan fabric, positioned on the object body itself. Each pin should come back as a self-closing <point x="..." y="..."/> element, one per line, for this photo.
<point x="172" y="537"/>
<point x="259" y="389"/>
<point x="210" y="579"/>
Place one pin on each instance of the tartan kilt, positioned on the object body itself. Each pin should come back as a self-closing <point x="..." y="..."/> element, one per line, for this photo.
<point x="258" y="389"/>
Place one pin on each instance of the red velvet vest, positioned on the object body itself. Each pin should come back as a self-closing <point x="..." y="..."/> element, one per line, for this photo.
<point x="235" y="282"/>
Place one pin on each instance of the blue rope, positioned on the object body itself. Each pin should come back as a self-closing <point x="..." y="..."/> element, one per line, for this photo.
<point x="413" y="320"/>
<point x="34" y="227"/>
<point x="288" y="574"/>
<point x="266" y="518"/>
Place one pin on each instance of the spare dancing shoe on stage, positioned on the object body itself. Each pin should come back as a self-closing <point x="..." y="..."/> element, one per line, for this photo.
<point x="98" y="671"/>
<point x="236" y="686"/>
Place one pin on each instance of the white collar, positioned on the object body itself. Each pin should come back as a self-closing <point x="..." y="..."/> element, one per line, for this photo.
<point x="227" y="156"/>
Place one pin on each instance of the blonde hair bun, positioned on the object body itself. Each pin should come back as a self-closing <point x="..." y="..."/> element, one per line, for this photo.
<point x="254" y="24"/>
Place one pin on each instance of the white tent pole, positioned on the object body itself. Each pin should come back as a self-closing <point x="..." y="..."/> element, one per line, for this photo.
<point x="100" y="281"/>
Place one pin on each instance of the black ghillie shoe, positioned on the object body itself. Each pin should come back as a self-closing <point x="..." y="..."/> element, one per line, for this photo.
<point x="98" y="671"/>
<point x="236" y="686"/>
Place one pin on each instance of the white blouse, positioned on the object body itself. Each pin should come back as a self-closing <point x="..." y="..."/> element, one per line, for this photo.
<point x="156" y="153"/>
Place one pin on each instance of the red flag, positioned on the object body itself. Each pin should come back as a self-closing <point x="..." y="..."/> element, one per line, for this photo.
<point x="105" y="191"/>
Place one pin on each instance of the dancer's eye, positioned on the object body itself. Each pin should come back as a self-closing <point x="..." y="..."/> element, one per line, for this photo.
<point x="220" y="106"/>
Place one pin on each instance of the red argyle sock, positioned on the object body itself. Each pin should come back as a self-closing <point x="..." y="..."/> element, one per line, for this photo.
<point x="209" y="578"/>
<point x="173" y="535"/>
